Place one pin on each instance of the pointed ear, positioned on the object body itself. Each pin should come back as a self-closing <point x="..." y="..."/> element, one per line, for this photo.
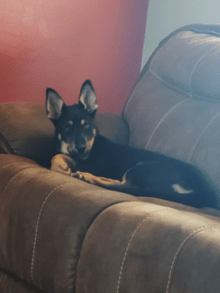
<point x="87" y="97"/>
<point x="54" y="104"/>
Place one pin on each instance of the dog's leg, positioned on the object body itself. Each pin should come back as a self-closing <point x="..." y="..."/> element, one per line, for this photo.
<point x="108" y="183"/>
<point x="145" y="179"/>
<point x="63" y="164"/>
<point x="126" y="185"/>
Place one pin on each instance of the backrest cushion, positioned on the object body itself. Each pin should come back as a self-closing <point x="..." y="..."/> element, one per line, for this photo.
<point x="174" y="108"/>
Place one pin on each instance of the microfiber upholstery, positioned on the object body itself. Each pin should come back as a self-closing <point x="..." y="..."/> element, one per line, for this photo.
<point x="177" y="102"/>
<point x="149" y="248"/>
<point x="44" y="217"/>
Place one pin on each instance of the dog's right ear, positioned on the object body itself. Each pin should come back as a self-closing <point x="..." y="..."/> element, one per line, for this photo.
<point x="87" y="97"/>
<point x="54" y="105"/>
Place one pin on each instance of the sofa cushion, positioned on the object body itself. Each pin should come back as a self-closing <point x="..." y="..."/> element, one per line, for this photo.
<point x="26" y="131"/>
<point x="139" y="247"/>
<point x="44" y="216"/>
<point x="174" y="108"/>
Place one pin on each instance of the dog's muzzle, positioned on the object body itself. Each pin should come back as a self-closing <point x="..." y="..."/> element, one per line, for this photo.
<point x="80" y="152"/>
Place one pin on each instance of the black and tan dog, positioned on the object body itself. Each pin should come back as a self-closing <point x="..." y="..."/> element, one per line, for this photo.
<point x="84" y="154"/>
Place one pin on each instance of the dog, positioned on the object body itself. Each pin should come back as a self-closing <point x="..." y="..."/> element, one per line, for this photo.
<point x="84" y="154"/>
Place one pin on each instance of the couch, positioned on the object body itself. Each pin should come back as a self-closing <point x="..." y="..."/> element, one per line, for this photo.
<point x="60" y="234"/>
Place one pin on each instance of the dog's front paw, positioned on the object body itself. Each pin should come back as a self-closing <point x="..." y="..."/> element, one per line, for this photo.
<point x="87" y="177"/>
<point x="63" y="164"/>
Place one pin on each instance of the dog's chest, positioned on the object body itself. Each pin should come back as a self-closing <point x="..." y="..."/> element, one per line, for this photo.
<point x="97" y="165"/>
<point x="103" y="161"/>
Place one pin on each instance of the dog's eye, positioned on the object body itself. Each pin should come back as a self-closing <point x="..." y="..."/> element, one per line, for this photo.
<point x="86" y="125"/>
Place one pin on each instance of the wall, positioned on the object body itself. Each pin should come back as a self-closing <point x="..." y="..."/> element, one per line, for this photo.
<point x="166" y="16"/>
<point x="59" y="44"/>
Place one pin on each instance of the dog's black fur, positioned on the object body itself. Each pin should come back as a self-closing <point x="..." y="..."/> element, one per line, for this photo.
<point x="93" y="158"/>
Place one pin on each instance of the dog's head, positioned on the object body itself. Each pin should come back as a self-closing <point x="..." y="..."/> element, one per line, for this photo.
<point x="75" y="128"/>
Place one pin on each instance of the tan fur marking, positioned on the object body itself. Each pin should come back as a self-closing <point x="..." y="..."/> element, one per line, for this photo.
<point x="59" y="136"/>
<point x="63" y="164"/>
<point x="71" y="122"/>
<point x="72" y="147"/>
<point x="64" y="147"/>
<point x="83" y="122"/>
<point x="180" y="189"/>
<point x="101" y="181"/>
<point x="89" y="143"/>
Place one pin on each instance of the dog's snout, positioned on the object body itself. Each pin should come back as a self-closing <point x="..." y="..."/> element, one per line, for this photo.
<point x="71" y="148"/>
<point x="81" y="149"/>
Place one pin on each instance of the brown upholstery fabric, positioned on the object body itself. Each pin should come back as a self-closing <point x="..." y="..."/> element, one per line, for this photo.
<point x="44" y="217"/>
<point x="26" y="131"/>
<point x="10" y="283"/>
<point x="140" y="247"/>
<point x="177" y="104"/>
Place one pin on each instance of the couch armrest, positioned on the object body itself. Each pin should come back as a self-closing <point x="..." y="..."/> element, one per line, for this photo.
<point x="139" y="247"/>
<point x="55" y="230"/>
<point x="44" y="217"/>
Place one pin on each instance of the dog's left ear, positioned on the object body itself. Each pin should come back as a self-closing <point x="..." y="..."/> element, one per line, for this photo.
<point x="87" y="97"/>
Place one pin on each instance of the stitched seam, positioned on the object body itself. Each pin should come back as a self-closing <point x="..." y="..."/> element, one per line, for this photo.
<point x="161" y="121"/>
<point x="12" y="179"/>
<point x="129" y="243"/>
<point x="173" y="87"/>
<point x="181" y="90"/>
<point x="37" y="226"/>
<point x="194" y="67"/>
<point x="169" y="84"/>
<point x="178" y="252"/>
<point x="204" y="130"/>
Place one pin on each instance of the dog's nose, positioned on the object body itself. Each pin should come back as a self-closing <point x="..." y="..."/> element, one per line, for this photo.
<point x="81" y="149"/>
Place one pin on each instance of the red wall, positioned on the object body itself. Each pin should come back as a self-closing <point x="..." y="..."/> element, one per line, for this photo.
<point x="59" y="44"/>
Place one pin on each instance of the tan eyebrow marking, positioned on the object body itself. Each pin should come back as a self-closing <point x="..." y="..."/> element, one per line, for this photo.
<point x="83" y="122"/>
<point x="59" y="136"/>
<point x="71" y="122"/>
